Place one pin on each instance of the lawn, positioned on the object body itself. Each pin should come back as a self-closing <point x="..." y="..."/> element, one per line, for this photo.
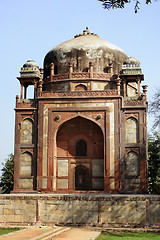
<point x="7" y="230"/>
<point x="128" y="236"/>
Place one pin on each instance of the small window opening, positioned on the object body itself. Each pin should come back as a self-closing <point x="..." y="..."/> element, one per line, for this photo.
<point x="81" y="148"/>
<point x="80" y="87"/>
<point x="106" y="70"/>
<point x="55" y="69"/>
<point x="85" y="69"/>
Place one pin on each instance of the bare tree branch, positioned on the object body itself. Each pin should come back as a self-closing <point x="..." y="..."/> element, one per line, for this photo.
<point x="108" y="4"/>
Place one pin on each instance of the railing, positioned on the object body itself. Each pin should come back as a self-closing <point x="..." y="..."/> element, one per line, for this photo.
<point x="80" y="93"/>
<point x="26" y="103"/>
<point x="79" y="75"/>
<point x="134" y="102"/>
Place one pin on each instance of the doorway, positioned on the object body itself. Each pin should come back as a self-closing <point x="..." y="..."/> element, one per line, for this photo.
<point x="81" y="178"/>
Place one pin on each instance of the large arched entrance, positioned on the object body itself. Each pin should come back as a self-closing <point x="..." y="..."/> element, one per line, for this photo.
<point x="80" y="156"/>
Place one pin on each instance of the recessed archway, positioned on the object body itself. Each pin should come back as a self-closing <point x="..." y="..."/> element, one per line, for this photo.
<point x="80" y="87"/>
<point x="80" y="142"/>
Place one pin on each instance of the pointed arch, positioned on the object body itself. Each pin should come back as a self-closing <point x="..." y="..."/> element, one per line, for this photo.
<point x="76" y="129"/>
<point x="85" y="69"/>
<point x="26" y="164"/>
<point x="27" y="131"/>
<point x="80" y="141"/>
<point x="132" y="164"/>
<point x="79" y="116"/>
<point x="80" y="87"/>
<point x="131" y="130"/>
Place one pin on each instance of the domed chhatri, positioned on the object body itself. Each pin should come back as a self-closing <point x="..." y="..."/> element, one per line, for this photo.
<point x="131" y="60"/>
<point x="30" y="68"/>
<point x="131" y="66"/>
<point x="30" y="63"/>
<point x="82" y="49"/>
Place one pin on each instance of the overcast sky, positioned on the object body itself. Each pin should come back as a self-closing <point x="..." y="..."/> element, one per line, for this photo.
<point x="29" y="29"/>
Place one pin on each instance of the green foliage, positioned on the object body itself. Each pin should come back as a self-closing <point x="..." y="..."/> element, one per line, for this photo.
<point x="154" y="108"/>
<point x="108" y="4"/>
<point x="154" y="163"/>
<point x="6" y="181"/>
<point x="8" y="230"/>
<point x="115" y="235"/>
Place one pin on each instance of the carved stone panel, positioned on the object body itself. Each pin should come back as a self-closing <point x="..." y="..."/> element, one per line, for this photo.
<point x="62" y="183"/>
<point x="27" y="132"/>
<point x="97" y="168"/>
<point x="26" y="164"/>
<point x="132" y="164"/>
<point x="98" y="183"/>
<point x="63" y="168"/>
<point x="132" y="184"/>
<point x="131" y="130"/>
<point x="26" y="183"/>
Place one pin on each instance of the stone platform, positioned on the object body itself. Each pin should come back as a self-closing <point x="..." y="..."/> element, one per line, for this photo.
<point x="81" y="209"/>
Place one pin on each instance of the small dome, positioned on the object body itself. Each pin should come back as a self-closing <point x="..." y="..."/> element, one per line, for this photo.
<point x="30" y="63"/>
<point x="30" y="69"/>
<point x="131" y="60"/>
<point x="131" y="66"/>
<point x="84" y="48"/>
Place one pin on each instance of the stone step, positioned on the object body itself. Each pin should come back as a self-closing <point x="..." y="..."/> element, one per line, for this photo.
<point x="49" y="235"/>
<point x="78" y="234"/>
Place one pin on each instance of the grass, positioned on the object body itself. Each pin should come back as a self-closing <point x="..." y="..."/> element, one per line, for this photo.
<point x="8" y="230"/>
<point x="128" y="236"/>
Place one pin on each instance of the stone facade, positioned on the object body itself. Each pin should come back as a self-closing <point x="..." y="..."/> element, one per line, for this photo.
<point x="85" y="128"/>
<point x="109" y="210"/>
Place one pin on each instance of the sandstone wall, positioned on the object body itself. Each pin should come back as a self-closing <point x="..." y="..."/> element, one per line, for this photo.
<point x="134" y="210"/>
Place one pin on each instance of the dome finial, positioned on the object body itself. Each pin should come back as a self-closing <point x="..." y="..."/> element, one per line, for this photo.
<point x="86" y="32"/>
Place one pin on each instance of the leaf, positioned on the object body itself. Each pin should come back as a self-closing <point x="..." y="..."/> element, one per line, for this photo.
<point x="108" y="4"/>
<point x="6" y="180"/>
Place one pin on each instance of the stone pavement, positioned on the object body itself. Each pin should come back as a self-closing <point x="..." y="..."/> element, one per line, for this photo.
<point x="33" y="233"/>
<point x="52" y="233"/>
<point x="78" y="234"/>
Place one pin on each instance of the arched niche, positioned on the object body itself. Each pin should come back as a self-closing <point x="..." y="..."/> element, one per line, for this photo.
<point x="132" y="164"/>
<point x="80" y="87"/>
<point x="27" y="131"/>
<point x="80" y="142"/>
<point x="85" y="69"/>
<point x="76" y="129"/>
<point x="26" y="164"/>
<point x="131" y="130"/>
<point x="81" y="148"/>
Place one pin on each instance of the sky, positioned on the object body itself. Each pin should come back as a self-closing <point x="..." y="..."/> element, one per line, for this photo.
<point x="29" y="29"/>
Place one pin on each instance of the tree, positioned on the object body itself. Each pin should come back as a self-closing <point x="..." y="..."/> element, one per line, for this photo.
<point x="154" y="163"/>
<point x="6" y="180"/>
<point x="108" y="4"/>
<point x="154" y="108"/>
